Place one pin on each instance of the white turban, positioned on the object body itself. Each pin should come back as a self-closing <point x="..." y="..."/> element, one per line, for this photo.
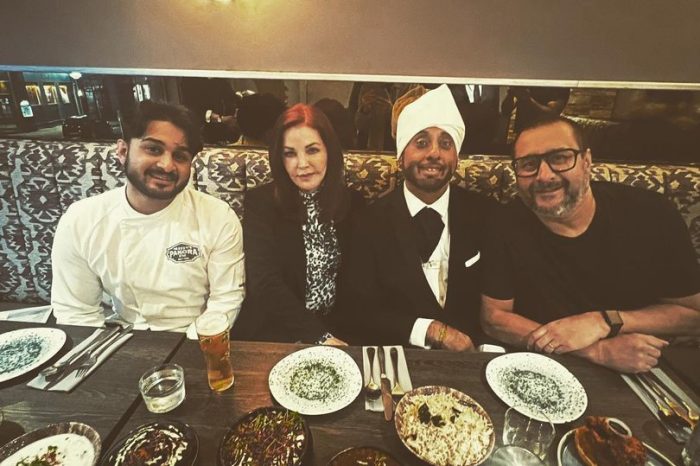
<point x="434" y="108"/>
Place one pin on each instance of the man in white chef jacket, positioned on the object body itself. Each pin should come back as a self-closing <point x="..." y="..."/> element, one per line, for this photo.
<point x="163" y="252"/>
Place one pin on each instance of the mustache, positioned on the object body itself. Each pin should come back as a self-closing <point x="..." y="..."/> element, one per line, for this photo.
<point x="544" y="186"/>
<point x="159" y="172"/>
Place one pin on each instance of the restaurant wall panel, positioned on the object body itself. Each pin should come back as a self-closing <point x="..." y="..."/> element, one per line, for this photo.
<point x="633" y="41"/>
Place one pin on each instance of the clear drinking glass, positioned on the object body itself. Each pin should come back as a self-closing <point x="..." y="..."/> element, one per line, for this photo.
<point x="691" y="451"/>
<point x="163" y="387"/>
<point x="523" y="431"/>
<point x="212" y="330"/>
<point x="510" y="455"/>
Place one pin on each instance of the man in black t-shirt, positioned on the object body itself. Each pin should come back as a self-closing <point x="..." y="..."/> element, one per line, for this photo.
<point x="600" y="270"/>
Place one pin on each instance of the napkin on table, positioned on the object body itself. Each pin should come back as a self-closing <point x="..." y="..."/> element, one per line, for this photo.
<point x="404" y="376"/>
<point x="72" y="380"/>
<point x="38" y="314"/>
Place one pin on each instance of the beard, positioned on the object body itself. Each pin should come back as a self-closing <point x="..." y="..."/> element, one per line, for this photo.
<point x="429" y="184"/>
<point x="572" y="197"/>
<point x="138" y="181"/>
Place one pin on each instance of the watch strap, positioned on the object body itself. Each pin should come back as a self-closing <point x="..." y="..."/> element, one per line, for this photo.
<point x="612" y="318"/>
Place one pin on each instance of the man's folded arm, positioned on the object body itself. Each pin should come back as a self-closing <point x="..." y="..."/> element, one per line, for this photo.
<point x="673" y="316"/>
<point x="76" y="291"/>
<point x="226" y="269"/>
<point x="499" y="321"/>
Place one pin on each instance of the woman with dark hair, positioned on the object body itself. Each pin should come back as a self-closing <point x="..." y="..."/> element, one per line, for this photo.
<point x="295" y="232"/>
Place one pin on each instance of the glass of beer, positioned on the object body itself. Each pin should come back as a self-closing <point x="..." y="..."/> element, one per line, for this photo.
<point x="212" y="330"/>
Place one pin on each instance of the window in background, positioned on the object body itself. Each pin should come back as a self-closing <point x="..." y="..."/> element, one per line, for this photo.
<point x="142" y="92"/>
<point x="63" y="91"/>
<point x="33" y="94"/>
<point x="50" y="93"/>
<point x="4" y="87"/>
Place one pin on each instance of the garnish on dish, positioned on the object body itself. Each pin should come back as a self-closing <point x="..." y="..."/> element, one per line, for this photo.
<point x="267" y="436"/>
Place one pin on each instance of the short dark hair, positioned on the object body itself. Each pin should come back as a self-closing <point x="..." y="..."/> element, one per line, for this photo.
<point x="334" y="198"/>
<point x="550" y="119"/>
<point x="257" y="114"/>
<point x="180" y="116"/>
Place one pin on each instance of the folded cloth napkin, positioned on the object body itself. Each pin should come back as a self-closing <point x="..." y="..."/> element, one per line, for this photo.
<point x="72" y="380"/>
<point x="38" y="314"/>
<point x="404" y="376"/>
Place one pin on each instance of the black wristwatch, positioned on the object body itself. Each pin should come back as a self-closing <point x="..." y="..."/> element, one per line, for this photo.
<point x="614" y="321"/>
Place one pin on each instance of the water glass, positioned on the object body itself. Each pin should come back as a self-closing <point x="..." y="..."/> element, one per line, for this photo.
<point x="163" y="387"/>
<point x="523" y="431"/>
<point x="510" y="455"/>
<point x="691" y="451"/>
<point x="212" y="331"/>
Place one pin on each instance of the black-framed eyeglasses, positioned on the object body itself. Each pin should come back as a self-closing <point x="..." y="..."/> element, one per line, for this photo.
<point x="560" y="160"/>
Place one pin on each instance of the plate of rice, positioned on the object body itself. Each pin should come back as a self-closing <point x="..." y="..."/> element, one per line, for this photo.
<point x="444" y="426"/>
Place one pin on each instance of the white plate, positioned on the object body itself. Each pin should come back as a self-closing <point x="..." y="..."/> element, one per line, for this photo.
<point x="75" y="444"/>
<point x="316" y="380"/>
<point x="28" y="348"/>
<point x="567" y="456"/>
<point x="534" y="384"/>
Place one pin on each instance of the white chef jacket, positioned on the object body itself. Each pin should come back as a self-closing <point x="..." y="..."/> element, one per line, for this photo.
<point x="160" y="270"/>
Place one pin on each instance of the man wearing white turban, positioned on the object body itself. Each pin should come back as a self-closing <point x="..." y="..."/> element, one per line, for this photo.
<point x="417" y="239"/>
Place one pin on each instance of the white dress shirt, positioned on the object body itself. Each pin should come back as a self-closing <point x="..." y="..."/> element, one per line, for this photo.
<point x="471" y="89"/>
<point x="435" y="270"/>
<point x="161" y="270"/>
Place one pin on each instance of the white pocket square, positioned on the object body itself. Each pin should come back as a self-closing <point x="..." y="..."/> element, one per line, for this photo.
<point x="473" y="260"/>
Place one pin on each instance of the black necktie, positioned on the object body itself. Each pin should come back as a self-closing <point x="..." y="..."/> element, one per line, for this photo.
<point x="477" y="94"/>
<point x="428" y="226"/>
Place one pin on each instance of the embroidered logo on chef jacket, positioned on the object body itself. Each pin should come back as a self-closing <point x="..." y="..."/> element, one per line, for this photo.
<point x="183" y="252"/>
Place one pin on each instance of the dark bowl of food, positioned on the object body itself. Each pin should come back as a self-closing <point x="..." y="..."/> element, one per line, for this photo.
<point x="269" y="436"/>
<point x="369" y="456"/>
<point x="161" y="443"/>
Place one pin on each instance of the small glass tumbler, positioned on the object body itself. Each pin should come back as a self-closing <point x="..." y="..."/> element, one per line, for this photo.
<point x="212" y="331"/>
<point x="510" y="455"/>
<point x="163" y="387"/>
<point x="691" y="451"/>
<point x="523" y="431"/>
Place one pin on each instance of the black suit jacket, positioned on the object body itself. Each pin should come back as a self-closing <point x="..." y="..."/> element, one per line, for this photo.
<point x="274" y="308"/>
<point x="384" y="289"/>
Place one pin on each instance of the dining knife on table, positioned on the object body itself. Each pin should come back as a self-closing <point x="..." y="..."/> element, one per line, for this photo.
<point x="58" y="369"/>
<point x="385" y="385"/>
<point x="75" y="363"/>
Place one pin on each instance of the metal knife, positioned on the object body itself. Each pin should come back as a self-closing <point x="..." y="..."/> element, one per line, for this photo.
<point x="387" y="401"/>
<point x="680" y="433"/>
<point x="58" y="369"/>
<point x="668" y="399"/>
<point x="114" y="335"/>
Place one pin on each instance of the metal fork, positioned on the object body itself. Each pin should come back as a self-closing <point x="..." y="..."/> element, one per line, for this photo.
<point x="675" y="407"/>
<point x="92" y="356"/>
<point x="678" y="427"/>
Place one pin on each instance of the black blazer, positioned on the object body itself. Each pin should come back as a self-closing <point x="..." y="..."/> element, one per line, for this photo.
<point x="384" y="289"/>
<point x="274" y="308"/>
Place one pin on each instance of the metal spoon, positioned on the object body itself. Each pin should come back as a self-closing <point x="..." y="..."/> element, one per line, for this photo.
<point x="372" y="390"/>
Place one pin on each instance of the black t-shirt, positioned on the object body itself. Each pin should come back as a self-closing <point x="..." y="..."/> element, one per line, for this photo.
<point x="635" y="251"/>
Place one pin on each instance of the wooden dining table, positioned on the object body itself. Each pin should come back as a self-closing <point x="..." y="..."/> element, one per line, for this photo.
<point x="109" y="401"/>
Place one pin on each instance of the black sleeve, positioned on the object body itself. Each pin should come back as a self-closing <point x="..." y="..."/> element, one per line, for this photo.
<point x="272" y="307"/>
<point x="675" y="258"/>
<point x="371" y="314"/>
<point x="497" y="262"/>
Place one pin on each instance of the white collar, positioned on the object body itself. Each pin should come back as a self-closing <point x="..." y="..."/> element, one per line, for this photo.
<point x="415" y="205"/>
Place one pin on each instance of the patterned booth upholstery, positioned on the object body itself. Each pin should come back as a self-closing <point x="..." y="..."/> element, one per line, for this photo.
<point x="40" y="179"/>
